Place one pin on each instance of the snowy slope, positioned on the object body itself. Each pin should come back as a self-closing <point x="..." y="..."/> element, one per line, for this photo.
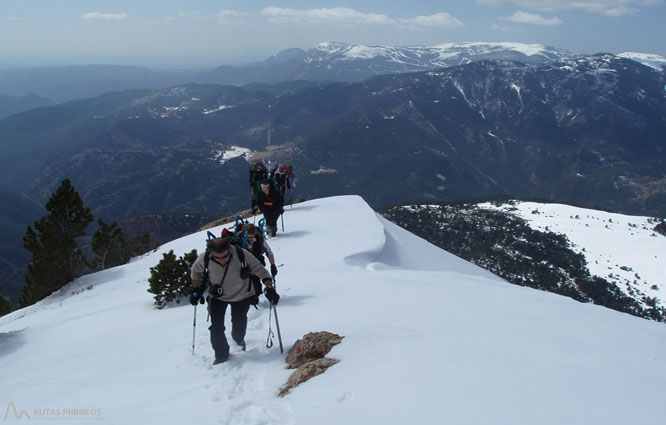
<point x="429" y="339"/>
<point x="620" y="248"/>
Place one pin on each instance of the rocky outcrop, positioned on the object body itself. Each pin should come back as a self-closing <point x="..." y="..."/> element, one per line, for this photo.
<point x="226" y="220"/>
<point x="307" y="356"/>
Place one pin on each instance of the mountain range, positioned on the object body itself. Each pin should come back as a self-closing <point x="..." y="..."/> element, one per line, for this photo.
<point x="330" y="61"/>
<point x="585" y="130"/>
<point x="333" y="61"/>
<point x="10" y="105"/>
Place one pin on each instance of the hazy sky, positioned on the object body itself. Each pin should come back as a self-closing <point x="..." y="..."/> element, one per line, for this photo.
<point x="198" y="33"/>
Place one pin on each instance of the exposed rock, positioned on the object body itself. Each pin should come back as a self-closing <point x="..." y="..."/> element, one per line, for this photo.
<point x="307" y="371"/>
<point x="313" y="346"/>
<point x="228" y="219"/>
<point x="307" y="356"/>
<point x="661" y="228"/>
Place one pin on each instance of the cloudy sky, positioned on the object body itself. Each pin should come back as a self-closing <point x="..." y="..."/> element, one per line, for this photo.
<point x="197" y="33"/>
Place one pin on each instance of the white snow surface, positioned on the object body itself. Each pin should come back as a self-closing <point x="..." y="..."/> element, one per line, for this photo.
<point x="526" y="49"/>
<point x="649" y="59"/>
<point x="429" y="339"/>
<point x="620" y="248"/>
<point x="232" y="152"/>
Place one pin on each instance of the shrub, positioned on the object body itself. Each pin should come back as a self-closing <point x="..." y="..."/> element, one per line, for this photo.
<point x="170" y="278"/>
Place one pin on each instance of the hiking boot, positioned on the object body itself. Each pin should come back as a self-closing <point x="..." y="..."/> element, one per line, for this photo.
<point x="242" y="345"/>
<point x="219" y="360"/>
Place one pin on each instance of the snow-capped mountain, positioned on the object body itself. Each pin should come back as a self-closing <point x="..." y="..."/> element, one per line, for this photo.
<point x="429" y="338"/>
<point x="437" y="56"/>
<point x="657" y="62"/>
<point x="334" y="61"/>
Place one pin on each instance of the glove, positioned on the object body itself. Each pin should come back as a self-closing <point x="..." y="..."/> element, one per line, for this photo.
<point x="196" y="298"/>
<point x="271" y="295"/>
<point x="274" y="270"/>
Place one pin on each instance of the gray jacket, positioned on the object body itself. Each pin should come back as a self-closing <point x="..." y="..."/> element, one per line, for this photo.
<point x="234" y="288"/>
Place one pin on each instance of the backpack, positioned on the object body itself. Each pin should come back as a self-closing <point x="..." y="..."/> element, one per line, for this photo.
<point x="259" y="251"/>
<point x="283" y="169"/>
<point x="257" y="173"/>
<point x="237" y="237"/>
<point x="283" y="177"/>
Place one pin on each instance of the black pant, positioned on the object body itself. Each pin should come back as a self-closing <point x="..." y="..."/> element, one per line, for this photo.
<point x="217" y="310"/>
<point x="271" y="215"/>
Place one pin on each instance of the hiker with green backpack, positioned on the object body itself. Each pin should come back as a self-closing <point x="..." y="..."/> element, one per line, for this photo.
<point x="258" y="173"/>
<point x="226" y="271"/>
<point x="258" y="246"/>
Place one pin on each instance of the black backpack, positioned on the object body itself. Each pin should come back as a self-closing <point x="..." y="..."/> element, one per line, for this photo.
<point x="258" y="173"/>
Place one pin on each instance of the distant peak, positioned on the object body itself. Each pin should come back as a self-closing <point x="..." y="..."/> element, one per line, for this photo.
<point x="649" y="59"/>
<point x="331" y="46"/>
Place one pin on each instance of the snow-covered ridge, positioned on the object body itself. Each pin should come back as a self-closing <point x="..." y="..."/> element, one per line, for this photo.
<point x="436" y="54"/>
<point x="481" y="47"/>
<point x="657" y="62"/>
<point x="421" y="327"/>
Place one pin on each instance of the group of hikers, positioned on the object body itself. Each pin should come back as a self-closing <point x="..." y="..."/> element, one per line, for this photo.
<point x="232" y="269"/>
<point x="268" y="192"/>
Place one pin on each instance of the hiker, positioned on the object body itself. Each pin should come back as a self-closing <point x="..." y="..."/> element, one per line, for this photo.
<point x="258" y="246"/>
<point x="271" y="204"/>
<point x="229" y="283"/>
<point x="258" y="173"/>
<point x="283" y="177"/>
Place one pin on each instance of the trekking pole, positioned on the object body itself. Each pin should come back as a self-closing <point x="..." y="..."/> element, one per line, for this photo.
<point x="269" y="339"/>
<point x="202" y="288"/>
<point x="271" y="335"/>
<point x="277" y="326"/>
<point x="194" y="327"/>
<point x="282" y="216"/>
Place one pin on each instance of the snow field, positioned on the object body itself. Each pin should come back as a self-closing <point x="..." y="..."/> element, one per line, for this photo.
<point x="429" y="339"/>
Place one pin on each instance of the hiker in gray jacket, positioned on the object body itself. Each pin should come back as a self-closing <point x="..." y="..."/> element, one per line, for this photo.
<point x="229" y="283"/>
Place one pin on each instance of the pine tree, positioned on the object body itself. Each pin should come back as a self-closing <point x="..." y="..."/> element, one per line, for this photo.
<point x="5" y="306"/>
<point x="170" y="278"/>
<point x="112" y="248"/>
<point x="137" y="245"/>
<point x="108" y="243"/>
<point x="56" y="259"/>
